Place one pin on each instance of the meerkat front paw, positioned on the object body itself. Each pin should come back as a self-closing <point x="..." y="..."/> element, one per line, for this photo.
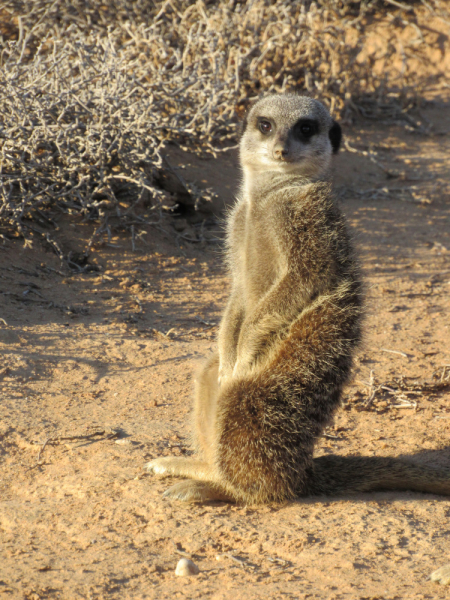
<point x="161" y="466"/>
<point x="182" y="466"/>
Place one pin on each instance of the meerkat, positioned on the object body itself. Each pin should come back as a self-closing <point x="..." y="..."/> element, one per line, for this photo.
<point x="289" y="331"/>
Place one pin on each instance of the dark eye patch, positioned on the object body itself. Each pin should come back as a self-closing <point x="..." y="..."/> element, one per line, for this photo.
<point x="304" y="129"/>
<point x="335" y="134"/>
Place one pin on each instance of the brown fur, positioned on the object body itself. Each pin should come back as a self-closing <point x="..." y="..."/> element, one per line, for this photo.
<point x="287" y="337"/>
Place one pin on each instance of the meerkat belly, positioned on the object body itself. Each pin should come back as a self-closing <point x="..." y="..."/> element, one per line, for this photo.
<point x="261" y="274"/>
<point x="261" y="265"/>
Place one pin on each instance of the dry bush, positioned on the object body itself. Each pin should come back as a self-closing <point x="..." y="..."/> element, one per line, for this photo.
<point x="92" y="93"/>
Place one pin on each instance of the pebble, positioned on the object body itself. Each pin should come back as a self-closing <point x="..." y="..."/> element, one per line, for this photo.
<point x="442" y="575"/>
<point x="180" y="224"/>
<point x="186" y="568"/>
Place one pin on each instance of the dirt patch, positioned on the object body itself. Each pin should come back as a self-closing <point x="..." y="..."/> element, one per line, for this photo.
<point x="96" y="380"/>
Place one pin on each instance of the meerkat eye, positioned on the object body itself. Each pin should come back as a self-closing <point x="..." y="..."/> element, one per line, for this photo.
<point x="265" y="127"/>
<point x="305" y="129"/>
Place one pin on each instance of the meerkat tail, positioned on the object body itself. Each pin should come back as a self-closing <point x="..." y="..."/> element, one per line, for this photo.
<point x="341" y="475"/>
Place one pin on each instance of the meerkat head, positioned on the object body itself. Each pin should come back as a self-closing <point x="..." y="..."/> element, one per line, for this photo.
<point x="287" y="133"/>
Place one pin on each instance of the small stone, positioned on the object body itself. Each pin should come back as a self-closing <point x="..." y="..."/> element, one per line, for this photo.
<point x="442" y="575"/>
<point x="186" y="568"/>
<point x="180" y="224"/>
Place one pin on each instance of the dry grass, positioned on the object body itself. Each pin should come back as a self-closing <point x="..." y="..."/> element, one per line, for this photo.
<point x="93" y="92"/>
<point x="401" y="392"/>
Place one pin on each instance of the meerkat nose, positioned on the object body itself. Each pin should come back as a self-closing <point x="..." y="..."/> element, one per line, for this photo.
<point x="280" y="152"/>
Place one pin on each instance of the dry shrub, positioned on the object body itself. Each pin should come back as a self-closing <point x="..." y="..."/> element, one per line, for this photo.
<point x="92" y="93"/>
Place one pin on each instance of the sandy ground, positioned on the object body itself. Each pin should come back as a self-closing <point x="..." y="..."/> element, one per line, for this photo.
<point x="109" y="355"/>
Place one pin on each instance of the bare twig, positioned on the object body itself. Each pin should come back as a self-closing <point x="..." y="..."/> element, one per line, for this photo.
<point x="372" y="390"/>
<point x="41" y="450"/>
<point x="394" y="352"/>
<point x="280" y="561"/>
<point x="107" y="434"/>
<point x="400" y="5"/>
<point x="401" y="388"/>
<point x="239" y="561"/>
<point x="370" y="156"/>
<point x="444" y="369"/>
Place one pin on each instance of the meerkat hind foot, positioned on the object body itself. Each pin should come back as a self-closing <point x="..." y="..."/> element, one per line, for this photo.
<point x="196" y="491"/>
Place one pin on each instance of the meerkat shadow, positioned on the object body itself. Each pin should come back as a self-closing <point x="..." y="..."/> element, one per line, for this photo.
<point x="354" y="472"/>
<point x="430" y="459"/>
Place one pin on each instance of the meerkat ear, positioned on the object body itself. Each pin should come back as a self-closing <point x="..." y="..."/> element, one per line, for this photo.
<point x="335" y="135"/>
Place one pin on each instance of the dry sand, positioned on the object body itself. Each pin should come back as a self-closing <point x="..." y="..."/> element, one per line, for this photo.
<point x="110" y="355"/>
